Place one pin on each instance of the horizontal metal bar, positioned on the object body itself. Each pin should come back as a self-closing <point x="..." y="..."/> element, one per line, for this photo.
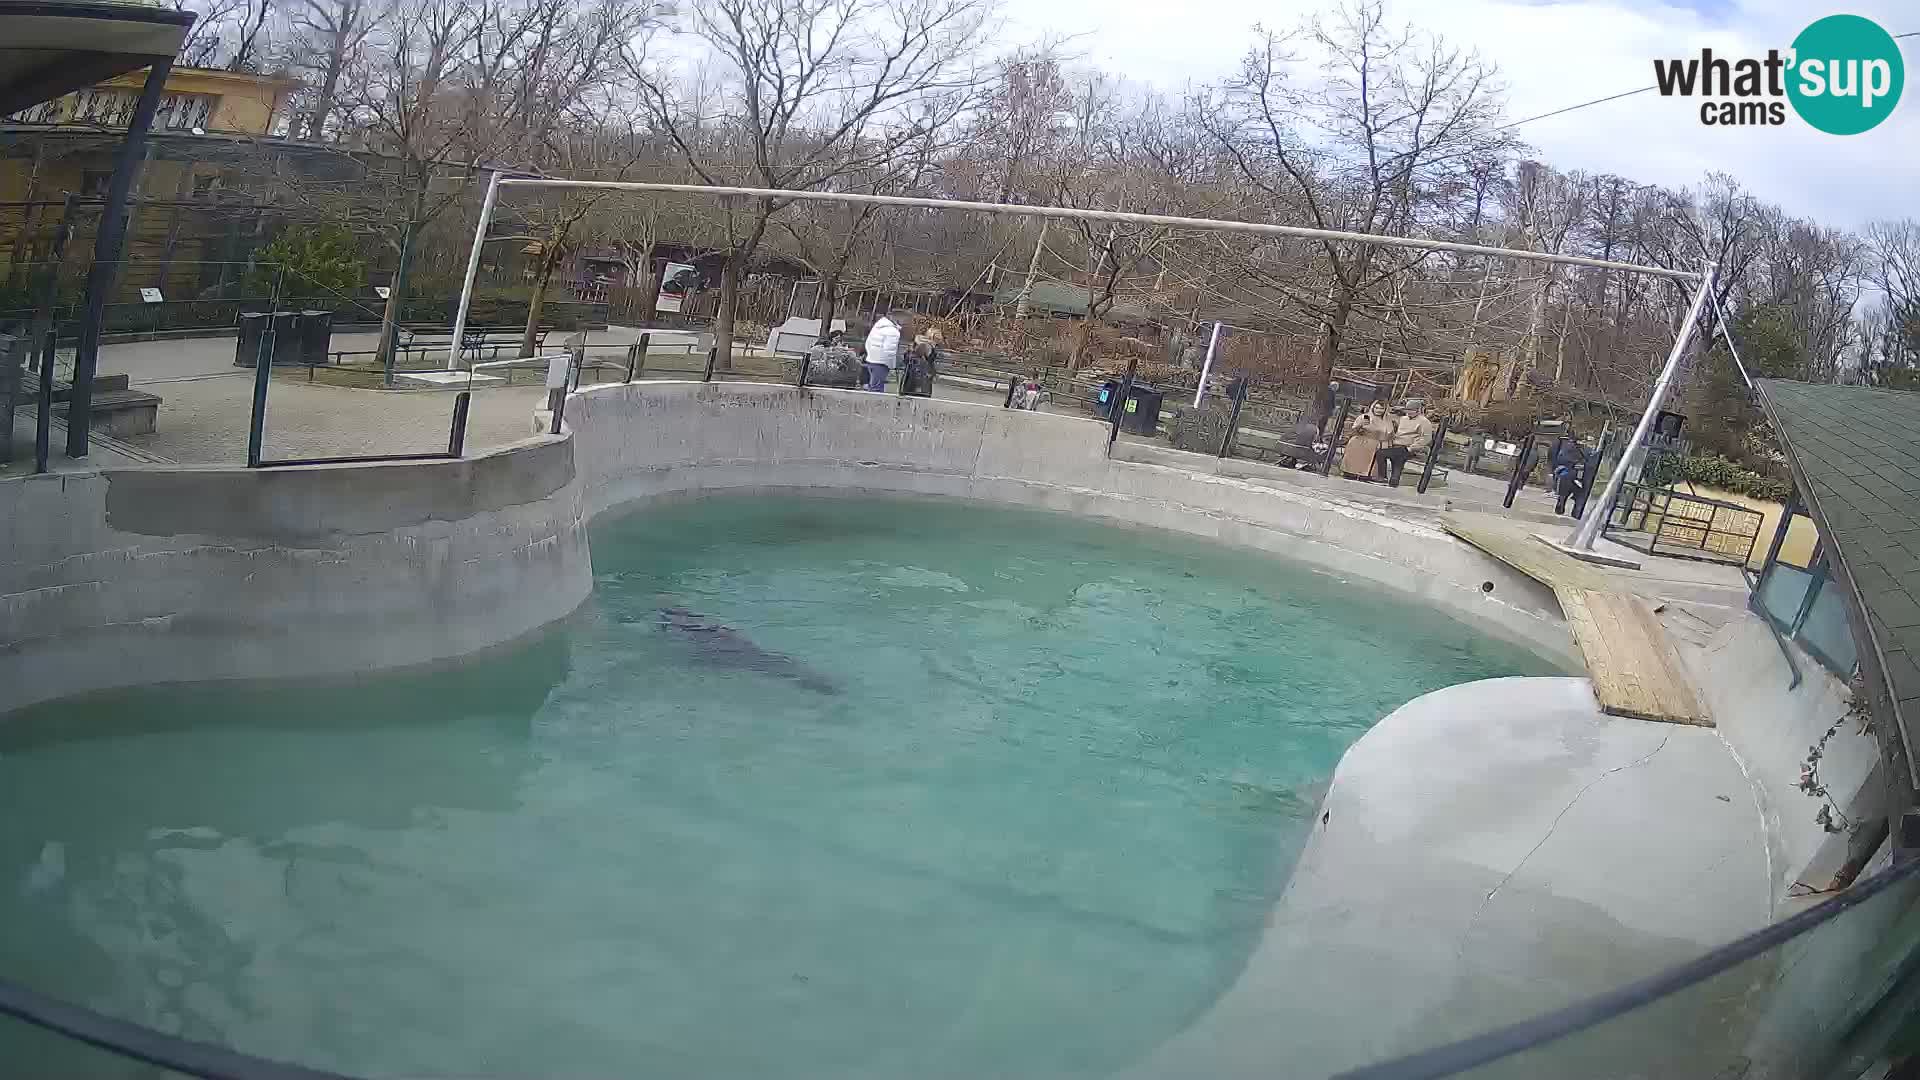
<point x="1020" y="210"/>
<point x="438" y="455"/>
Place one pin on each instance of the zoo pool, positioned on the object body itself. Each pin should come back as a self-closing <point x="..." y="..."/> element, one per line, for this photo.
<point x="810" y="787"/>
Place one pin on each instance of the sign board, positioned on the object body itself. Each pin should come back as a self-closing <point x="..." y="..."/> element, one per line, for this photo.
<point x="382" y="291"/>
<point x="151" y="296"/>
<point x="676" y="282"/>
<point x="1506" y="448"/>
<point x="557" y="371"/>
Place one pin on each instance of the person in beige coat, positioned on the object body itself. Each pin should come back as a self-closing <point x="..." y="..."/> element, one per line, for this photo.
<point x="1372" y="433"/>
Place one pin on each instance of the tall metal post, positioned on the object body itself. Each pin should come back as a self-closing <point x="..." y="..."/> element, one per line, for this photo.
<point x="1233" y="418"/>
<point x="1118" y="409"/>
<point x="262" y="375"/>
<point x="1588" y="530"/>
<point x="457" y="434"/>
<point x="1333" y="436"/>
<point x="49" y="346"/>
<point x="1206" y="366"/>
<point x="473" y="270"/>
<point x="107" y="246"/>
<point x="1433" y="454"/>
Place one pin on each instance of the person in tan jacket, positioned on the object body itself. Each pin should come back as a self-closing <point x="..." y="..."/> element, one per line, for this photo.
<point x="1410" y="432"/>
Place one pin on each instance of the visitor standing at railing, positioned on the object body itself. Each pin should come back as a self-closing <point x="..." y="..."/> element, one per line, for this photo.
<point x="1568" y="461"/>
<point x="883" y="348"/>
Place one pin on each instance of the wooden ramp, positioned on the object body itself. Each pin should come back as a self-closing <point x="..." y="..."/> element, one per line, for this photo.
<point x="1630" y="659"/>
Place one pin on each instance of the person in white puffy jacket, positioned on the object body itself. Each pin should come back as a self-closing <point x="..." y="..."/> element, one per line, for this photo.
<point x="883" y="348"/>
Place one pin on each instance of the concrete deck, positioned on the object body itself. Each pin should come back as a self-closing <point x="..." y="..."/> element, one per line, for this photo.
<point x="206" y="405"/>
<point x="1486" y="853"/>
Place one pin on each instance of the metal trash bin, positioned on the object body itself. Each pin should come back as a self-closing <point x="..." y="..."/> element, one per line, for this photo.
<point x="1140" y="413"/>
<point x="246" y="348"/>
<point x="316" y="337"/>
<point x="286" y="337"/>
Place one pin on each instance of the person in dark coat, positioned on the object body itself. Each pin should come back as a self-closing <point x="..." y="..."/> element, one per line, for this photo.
<point x="1569" y="466"/>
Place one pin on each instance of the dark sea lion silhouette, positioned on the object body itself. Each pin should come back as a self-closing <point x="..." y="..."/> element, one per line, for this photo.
<point x="724" y="647"/>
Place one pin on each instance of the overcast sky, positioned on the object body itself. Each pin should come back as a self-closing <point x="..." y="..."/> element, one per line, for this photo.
<point x="1555" y="53"/>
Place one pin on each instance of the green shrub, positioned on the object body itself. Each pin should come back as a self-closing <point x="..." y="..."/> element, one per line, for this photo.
<point x="317" y="260"/>
<point x="1712" y="470"/>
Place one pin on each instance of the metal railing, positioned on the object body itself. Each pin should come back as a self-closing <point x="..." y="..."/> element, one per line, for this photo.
<point x="1661" y="521"/>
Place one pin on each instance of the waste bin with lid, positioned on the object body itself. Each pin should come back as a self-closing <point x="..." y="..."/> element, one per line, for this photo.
<point x="246" y="348"/>
<point x="286" y="337"/>
<point x="1140" y="413"/>
<point x="316" y="337"/>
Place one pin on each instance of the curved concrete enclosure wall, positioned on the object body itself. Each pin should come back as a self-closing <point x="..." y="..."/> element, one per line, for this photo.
<point x="122" y="577"/>
<point x="128" y="576"/>
<point x="638" y="441"/>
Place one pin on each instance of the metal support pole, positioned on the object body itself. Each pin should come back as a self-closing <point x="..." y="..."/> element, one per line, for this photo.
<point x="1780" y="533"/>
<point x="1333" y="436"/>
<point x="262" y="373"/>
<point x="1012" y="383"/>
<point x="1118" y="409"/>
<point x="473" y="270"/>
<point x="50" y="349"/>
<point x="1233" y="419"/>
<point x="1586" y="485"/>
<point x="1522" y="458"/>
<point x="43" y="413"/>
<point x="457" y="437"/>
<point x="1588" y="531"/>
<point x="107" y="248"/>
<point x="1433" y="454"/>
<point x="1206" y="366"/>
<point x="713" y="355"/>
<point x="637" y="356"/>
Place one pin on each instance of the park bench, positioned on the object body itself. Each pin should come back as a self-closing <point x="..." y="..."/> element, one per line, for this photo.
<point x="476" y="343"/>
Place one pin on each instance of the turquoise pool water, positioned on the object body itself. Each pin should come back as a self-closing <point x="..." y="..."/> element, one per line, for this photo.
<point x="957" y="792"/>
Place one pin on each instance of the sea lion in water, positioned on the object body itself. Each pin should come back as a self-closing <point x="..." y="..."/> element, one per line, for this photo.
<point x="723" y="647"/>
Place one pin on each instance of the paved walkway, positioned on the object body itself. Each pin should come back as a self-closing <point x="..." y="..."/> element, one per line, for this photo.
<point x="206" y="404"/>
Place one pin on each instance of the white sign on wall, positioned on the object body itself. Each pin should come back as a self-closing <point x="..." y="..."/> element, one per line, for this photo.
<point x="151" y="296"/>
<point x="382" y="291"/>
<point x="678" y="280"/>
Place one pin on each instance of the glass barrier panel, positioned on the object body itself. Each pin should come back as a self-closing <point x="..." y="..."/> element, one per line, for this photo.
<point x="1781" y="594"/>
<point x="1826" y="633"/>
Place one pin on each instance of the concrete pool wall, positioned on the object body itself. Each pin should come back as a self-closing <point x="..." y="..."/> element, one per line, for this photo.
<point x="124" y="577"/>
<point x="639" y="441"/>
<point x="128" y="576"/>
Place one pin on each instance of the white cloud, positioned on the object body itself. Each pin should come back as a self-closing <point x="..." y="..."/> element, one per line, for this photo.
<point x="1558" y="54"/>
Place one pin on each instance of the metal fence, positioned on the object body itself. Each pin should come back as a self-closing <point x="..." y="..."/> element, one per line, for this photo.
<point x="1661" y="521"/>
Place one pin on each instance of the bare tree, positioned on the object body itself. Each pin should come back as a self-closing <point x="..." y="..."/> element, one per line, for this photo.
<point x="818" y="90"/>
<point x="452" y="88"/>
<point x="328" y="36"/>
<point x="1369" y="147"/>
